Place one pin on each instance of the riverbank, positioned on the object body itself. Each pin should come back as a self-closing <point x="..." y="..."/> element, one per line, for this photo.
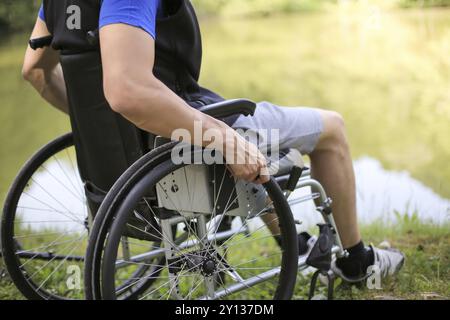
<point x="426" y="273"/>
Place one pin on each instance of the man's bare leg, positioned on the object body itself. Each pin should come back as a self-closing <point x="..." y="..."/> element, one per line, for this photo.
<point x="331" y="165"/>
<point x="271" y="221"/>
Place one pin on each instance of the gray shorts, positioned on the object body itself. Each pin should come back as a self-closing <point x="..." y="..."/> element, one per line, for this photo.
<point x="298" y="128"/>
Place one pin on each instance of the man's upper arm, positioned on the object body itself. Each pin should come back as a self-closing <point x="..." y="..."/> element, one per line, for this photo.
<point x="137" y="13"/>
<point x="45" y="58"/>
<point x="127" y="32"/>
<point x="127" y="59"/>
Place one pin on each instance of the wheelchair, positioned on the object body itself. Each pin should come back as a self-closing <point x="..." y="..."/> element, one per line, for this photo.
<point x="164" y="230"/>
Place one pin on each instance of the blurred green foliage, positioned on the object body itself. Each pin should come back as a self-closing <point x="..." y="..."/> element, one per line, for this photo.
<point x="266" y="7"/>
<point x="19" y="15"/>
<point x="424" y="3"/>
<point x="257" y="7"/>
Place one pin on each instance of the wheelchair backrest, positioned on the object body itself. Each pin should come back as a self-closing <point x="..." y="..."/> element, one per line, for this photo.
<point x="106" y="143"/>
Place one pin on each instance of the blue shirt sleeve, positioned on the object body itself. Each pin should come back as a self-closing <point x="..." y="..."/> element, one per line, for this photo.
<point x="137" y="13"/>
<point x="41" y="13"/>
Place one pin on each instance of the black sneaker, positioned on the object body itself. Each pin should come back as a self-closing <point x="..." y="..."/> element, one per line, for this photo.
<point x="388" y="261"/>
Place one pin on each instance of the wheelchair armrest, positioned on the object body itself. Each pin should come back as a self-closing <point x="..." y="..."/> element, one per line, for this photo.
<point x="229" y="107"/>
<point x="216" y="110"/>
<point x="42" y="42"/>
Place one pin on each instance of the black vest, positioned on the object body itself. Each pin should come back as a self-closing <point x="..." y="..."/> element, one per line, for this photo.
<point x="178" y="45"/>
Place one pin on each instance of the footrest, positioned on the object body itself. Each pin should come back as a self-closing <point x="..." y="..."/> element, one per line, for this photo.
<point x="330" y="284"/>
<point x="320" y="258"/>
<point x="320" y="255"/>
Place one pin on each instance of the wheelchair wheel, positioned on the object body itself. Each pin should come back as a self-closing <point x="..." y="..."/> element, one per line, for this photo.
<point x="198" y="259"/>
<point x="45" y="225"/>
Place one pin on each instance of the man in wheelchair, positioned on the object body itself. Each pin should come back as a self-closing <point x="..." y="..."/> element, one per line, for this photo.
<point x="150" y="56"/>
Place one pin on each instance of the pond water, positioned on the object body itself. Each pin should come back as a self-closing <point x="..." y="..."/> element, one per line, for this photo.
<point x="388" y="73"/>
<point x="385" y="195"/>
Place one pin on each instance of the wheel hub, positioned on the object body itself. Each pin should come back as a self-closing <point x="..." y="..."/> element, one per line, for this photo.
<point x="209" y="267"/>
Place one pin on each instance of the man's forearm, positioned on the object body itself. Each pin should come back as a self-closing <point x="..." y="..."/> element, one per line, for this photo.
<point x="153" y="107"/>
<point x="55" y="90"/>
<point x="50" y="85"/>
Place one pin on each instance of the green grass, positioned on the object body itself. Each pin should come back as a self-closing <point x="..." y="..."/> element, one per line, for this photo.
<point x="7" y="289"/>
<point x="426" y="274"/>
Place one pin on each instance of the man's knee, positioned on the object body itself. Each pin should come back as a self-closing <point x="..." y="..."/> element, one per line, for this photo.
<point x="334" y="123"/>
<point x="333" y="134"/>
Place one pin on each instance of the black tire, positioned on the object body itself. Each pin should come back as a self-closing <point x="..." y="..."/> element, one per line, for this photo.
<point x="131" y="186"/>
<point x="102" y="219"/>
